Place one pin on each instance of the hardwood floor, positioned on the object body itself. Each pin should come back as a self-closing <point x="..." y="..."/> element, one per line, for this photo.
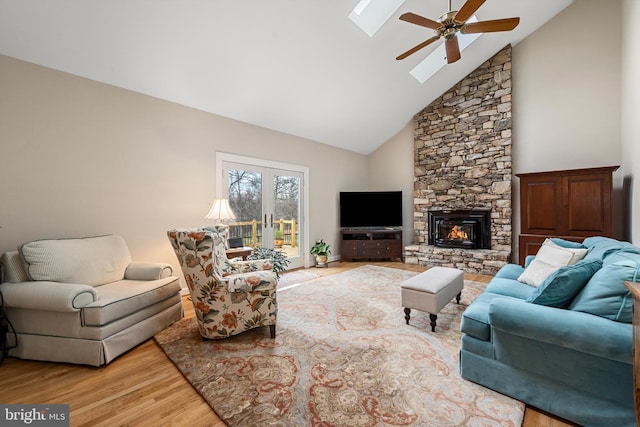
<point x="142" y="387"/>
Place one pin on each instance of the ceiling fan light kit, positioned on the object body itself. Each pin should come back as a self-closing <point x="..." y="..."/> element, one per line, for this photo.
<point x="453" y="22"/>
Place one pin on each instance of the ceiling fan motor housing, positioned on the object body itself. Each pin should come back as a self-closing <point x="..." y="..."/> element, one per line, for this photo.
<point x="449" y="25"/>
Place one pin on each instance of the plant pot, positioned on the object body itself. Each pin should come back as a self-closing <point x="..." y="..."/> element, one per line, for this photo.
<point x="321" y="260"/>
<point x="278" y="243"/>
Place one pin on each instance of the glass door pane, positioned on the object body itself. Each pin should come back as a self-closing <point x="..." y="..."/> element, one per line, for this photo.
<point x="286" y="211"/>
<point x="245" y="199"/>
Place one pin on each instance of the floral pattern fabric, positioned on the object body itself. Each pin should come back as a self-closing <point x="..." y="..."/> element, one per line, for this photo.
<point x="228" y="297"/>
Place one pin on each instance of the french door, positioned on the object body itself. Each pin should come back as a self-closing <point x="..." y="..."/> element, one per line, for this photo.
<point x="268" y="201"/>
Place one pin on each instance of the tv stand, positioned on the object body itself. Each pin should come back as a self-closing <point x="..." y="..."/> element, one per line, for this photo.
<point x="378" y="243"/>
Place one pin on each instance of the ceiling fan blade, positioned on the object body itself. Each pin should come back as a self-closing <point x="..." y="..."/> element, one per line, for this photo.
<point x="507" y="24"/>
<point x="418" y="47"/>
<point x="467" y="10"/>
<point x="420" y="20"/>
<point x="453" y="49"/>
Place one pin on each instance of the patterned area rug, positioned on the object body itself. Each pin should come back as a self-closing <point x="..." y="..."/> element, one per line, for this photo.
<point x="295" y="278"/>
<point x="343" y="356"/>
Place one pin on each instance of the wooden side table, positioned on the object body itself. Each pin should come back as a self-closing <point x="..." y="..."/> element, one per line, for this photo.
<point x="243" y="252"/>
<point x="635" y="291"/>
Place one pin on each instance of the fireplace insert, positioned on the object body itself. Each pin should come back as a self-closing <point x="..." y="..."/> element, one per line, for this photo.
<point x="467" y="229"/>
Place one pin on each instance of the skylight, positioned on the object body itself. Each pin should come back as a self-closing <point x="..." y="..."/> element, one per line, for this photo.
<point x="438" y="58"/>
<point x="370" y="15"/>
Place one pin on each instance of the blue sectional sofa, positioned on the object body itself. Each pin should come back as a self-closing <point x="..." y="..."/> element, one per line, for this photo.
<point x="565" y="346"/>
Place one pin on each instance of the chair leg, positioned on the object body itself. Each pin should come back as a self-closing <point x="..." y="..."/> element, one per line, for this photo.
<point x="272" y="330"/>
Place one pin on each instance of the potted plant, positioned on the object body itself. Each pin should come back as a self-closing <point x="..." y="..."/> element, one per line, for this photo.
<point x="320" y="250"/>
<point x="278" y="238"/>
<point x="278" y="259"/>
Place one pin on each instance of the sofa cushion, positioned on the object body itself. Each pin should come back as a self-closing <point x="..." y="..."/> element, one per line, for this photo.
<point x="475" y="319"/>
<point x="88" y="261"/>
<point x="561" y="287"/>
<point x="605" y="294"/>
<point x="509" y="287"/>
<point x="122" y="298"/>
<point x="510" y="271"/>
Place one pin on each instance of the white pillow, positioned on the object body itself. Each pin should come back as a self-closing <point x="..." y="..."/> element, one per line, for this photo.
<point x="549" y="258"/>
<point x="578" y="253"/>
<point x="537" y="272"/>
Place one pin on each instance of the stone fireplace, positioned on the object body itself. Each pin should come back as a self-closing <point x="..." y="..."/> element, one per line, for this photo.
<point x="462" y="154"/>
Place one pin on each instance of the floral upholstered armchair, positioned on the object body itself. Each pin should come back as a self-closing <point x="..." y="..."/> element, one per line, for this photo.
<point x="229" y="297"/>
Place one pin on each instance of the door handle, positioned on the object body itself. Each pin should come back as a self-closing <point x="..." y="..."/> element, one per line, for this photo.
<point x="271" y="220"/>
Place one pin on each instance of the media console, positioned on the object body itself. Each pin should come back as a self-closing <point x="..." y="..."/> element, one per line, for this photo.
<point x="370" y="243"/>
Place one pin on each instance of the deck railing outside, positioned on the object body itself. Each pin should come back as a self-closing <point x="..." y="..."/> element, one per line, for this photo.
<point x="251" y="231"/>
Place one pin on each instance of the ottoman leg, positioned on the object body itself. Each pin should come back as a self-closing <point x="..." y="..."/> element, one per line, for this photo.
<point x="433" y="318"/>
<point x="458" y="297"/>
<point x="407" y="312"/>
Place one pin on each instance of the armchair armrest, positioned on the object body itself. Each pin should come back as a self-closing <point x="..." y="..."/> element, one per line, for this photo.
<point x="251" y="265"/>
<point x="48" y="296"/>
<point x="575" y="330"/>
<point x="260" y="280"/>
<point x="147" y="270"/>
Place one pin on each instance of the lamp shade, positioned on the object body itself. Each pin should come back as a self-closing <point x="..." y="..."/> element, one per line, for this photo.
<point x="220" y="211"/>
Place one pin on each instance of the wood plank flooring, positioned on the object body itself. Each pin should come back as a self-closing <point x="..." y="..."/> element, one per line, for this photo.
<point x="142" y="387"/>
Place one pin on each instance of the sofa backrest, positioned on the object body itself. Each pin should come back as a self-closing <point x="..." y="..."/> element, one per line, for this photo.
<point x="90" y="261"/>
<point x="601" y="247"/>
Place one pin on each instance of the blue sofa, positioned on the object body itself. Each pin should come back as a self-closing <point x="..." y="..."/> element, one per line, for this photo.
<point x="564" y="347"/>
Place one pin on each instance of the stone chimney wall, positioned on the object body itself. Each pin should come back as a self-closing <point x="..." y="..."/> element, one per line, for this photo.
<point x="462" y="152"/>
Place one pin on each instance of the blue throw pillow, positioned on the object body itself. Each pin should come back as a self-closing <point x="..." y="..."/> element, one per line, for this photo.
<point x="567" y="243"/>
<point x="562" y="286"/>
<point x="606" y="295"/>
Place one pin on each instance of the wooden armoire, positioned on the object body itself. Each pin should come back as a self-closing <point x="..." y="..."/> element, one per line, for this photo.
<point x="571" y="204"/>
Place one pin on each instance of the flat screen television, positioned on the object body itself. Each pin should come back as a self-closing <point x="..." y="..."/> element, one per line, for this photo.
<point x="370" y="209"/>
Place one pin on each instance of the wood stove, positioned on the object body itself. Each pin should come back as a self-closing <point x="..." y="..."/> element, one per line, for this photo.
<point x="466" y="229"/>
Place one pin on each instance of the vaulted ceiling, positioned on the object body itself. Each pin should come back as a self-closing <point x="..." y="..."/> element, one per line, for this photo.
<point x="297" y="66"/>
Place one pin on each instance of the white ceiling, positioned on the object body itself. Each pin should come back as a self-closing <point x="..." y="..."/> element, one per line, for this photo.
<point x="297" y="66"/>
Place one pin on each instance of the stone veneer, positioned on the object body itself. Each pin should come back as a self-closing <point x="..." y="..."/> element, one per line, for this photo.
<point x="462" y="146"/>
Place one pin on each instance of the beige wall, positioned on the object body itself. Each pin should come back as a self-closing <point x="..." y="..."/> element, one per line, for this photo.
<point x="82" y="158"/>
<point x="391" y="168"/>
<point x="630" y="115"/>
<point x="566" y="96"/>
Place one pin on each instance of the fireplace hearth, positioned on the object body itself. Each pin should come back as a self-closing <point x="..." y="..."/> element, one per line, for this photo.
<point x="466" y="229"/>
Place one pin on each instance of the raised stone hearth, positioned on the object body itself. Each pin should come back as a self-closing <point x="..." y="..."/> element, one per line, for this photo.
<point x="462" y="152"/>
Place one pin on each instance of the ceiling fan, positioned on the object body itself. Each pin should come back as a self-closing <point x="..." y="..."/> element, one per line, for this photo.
<point x="452" y="22"/>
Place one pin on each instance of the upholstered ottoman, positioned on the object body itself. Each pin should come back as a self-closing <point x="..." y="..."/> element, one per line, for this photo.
<point x="430" y="291"/>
